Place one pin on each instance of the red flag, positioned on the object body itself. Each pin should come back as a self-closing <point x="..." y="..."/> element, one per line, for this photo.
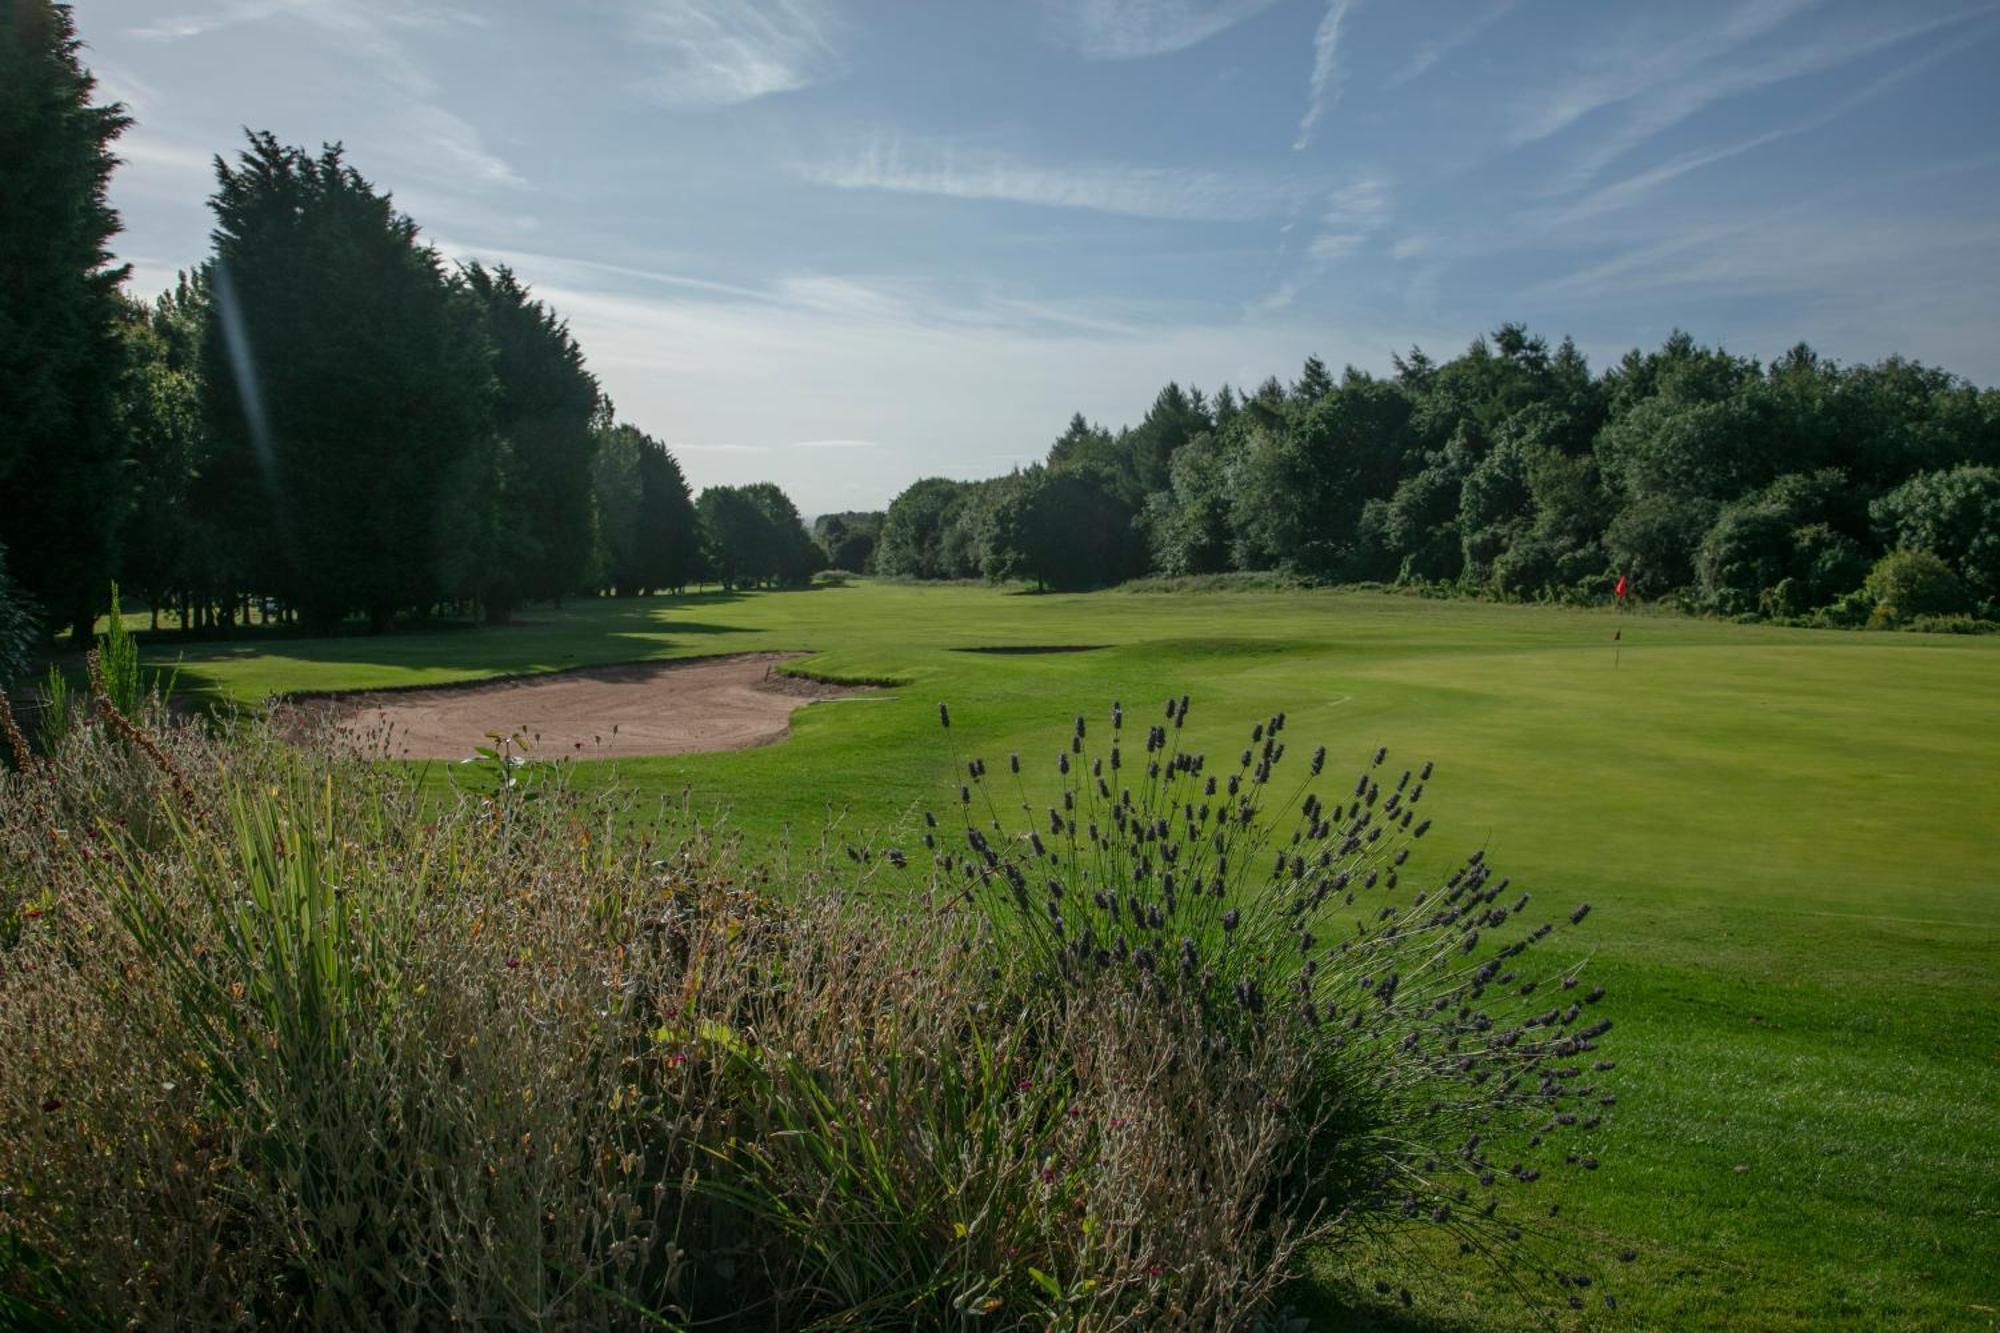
<point x="1620" y="589"/>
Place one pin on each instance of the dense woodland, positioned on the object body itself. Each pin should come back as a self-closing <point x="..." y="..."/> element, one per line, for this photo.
<point x="326" y="421"/>
<point x="1512" y="470"/>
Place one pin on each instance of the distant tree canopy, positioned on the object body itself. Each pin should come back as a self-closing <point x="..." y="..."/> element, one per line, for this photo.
<point x="849" y="539"/>
<point x="1739" y="488"/>
<point x="913" y="541"/>
<point x="1060" y="529"/>
<point x="61" y="353"/>
<point x="753" y="537"/>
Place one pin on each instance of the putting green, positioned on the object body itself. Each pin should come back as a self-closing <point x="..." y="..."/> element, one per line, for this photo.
<point x="1788" y="837"/>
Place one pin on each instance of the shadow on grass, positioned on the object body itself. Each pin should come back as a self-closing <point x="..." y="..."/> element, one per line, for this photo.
<point x="1327" y="1305"/>
<point x="537" y="616"/>
<point x="590" y="632"/>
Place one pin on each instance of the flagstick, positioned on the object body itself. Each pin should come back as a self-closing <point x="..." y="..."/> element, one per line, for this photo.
<point x="1618" y="635"/>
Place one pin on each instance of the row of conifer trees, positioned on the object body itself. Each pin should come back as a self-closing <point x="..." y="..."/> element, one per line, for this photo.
<point x="323" y="420"/>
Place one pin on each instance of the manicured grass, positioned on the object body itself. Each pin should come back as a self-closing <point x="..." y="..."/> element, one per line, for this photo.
<point x="1787" y="835"/>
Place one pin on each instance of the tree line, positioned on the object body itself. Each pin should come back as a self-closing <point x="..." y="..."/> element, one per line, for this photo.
<point x="1802" y="489"/>
<point x="324" y="420"/>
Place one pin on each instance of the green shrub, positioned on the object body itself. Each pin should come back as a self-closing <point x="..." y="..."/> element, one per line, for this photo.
<point x="127" y="685"/>
<point x="1906" y="584"/>
<point x="1952" y="625"/>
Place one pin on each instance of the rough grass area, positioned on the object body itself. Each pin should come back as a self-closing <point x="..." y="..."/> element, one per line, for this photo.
<point x="1788" y="835"/>
<point x="288" y="1044"/>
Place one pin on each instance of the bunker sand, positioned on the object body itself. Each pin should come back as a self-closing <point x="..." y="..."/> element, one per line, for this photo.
<point x="653" y="708"/>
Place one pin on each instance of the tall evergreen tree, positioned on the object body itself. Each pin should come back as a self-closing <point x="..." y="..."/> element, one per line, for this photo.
<point x="666" y="538"/>
<point x="1314" y="383"/>
<point x="351" y="390"/>
<point x="544" y="415"/>
<point x="1175" y="417"/>
<point x="61" y="354"/>
<point x="614" y="484"/>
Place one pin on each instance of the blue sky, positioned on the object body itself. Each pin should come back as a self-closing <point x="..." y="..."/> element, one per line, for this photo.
<point x="845" y="244"/>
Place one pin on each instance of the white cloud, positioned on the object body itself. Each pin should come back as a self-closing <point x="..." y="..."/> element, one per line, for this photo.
<point x="951" y="171"/>
<point x="1357" y="210"/>
<point x="836" y="444"/>
<point x="1847" y="247"/>
<point x="567" y="270"/>
<point x="1366" y="202"/>
<point x="181" y="27"/>
<point x="843" y="297"/>
<point x="1790" y="251"/>
<point x="335" y="15"/>
<point x="151" y="152"/>
<point x="1323" y="88"/>
<point x="372" y="29"/>
<point x="449" y="145"/>
<point x="1658" y="92"/>
<point x="1134" y="29"/>
<point x="116" y="82"/>
<point x="1628" y="191"/>
<point x="715" y="53"/>
<point x="1281" y="297"/>
<point x="1354" y="213"/>
<point x="1644" y="65"/>
<point x="1429" y="53"/>
<point x="1330" y="246"/>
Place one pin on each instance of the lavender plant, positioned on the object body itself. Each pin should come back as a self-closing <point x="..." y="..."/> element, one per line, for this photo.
<point x="1447" y="1067"/>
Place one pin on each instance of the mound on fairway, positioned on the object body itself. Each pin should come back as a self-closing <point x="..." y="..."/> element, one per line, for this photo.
<point x="656" y="708"/>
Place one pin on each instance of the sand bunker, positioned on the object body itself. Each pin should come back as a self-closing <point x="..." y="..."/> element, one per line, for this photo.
<point x="727" y="703"/>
